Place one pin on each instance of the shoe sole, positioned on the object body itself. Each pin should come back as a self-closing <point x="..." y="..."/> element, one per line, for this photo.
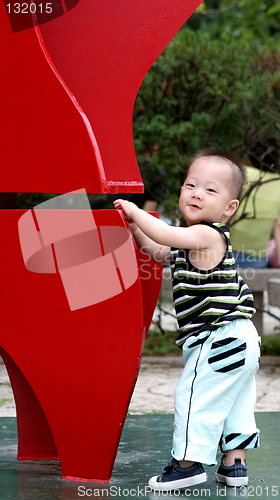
<point x="176" y="485"/>
<point x="232" y="481"/>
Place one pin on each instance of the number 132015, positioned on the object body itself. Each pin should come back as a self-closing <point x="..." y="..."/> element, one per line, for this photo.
<point x="25" y="8"/>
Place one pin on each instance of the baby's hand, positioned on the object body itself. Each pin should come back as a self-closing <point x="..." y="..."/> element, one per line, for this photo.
<point x="126" y="206"/>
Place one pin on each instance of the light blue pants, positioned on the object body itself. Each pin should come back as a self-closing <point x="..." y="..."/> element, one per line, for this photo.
<point x="216" y="394"/>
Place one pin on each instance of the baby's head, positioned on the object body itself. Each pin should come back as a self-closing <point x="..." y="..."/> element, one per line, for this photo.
<point x="226" y="159"/>
<point x="213" y="187"/>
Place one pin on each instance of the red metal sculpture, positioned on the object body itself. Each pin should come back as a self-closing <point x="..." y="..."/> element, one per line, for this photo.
<point x="74" y="308"/>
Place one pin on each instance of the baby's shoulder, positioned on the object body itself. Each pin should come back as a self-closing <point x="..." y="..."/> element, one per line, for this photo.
<point x="216" y="234"/>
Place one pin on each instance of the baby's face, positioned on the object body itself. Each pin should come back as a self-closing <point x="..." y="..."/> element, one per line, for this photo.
<point x="206" y="193"/>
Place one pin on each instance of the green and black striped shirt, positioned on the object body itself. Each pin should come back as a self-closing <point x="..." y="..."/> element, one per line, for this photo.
<point x="208" y="299"/>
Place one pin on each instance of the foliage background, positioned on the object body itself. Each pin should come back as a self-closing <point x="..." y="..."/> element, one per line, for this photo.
<point x="216" y="84"/>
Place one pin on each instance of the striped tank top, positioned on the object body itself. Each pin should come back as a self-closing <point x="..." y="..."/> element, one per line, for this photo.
<point x="208" y="299"/>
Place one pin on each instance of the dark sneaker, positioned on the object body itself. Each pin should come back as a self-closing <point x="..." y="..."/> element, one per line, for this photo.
<point x="174" y="477"/>
<point x="232" y="475"/>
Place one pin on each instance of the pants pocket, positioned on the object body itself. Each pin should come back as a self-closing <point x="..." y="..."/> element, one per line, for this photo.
<point x="227" y="355"/>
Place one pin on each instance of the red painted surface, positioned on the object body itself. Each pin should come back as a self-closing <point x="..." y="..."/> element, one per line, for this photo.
<point x="72" y="372"/>
<point x="45" y="145"/>
<point x="68" y="88"/>
<point x="69" y="101"/>
<point x="35" y="439"/>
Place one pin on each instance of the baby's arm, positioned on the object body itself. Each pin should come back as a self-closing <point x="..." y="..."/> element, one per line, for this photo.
<point x="159" y="253"/>
<point x="198" y="237"/>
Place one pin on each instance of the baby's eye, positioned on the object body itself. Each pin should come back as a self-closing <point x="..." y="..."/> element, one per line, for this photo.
<point x="211" y="190"/>
<point x="189" y="184"/>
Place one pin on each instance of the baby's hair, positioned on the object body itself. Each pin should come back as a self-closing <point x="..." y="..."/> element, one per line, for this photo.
<point x="238" y="171"/>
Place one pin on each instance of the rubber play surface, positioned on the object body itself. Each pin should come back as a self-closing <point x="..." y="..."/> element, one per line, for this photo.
<point x="144" y="449"/>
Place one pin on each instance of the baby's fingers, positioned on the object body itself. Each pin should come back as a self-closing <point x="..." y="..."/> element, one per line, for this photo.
<point x="117" y="204"/>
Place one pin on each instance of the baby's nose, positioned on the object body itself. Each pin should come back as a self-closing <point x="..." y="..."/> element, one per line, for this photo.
<point x="197" y="194"/>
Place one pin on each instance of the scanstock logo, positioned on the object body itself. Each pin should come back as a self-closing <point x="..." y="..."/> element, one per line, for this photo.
<point x="95" y="263"/>
<point x="27" y="14"/>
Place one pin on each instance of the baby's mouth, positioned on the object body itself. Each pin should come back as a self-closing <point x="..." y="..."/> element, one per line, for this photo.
<point x="193" y="205"/>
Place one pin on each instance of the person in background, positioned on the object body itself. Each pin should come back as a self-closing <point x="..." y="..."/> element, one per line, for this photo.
<point x="251" y="235"/>
<point x="274" y="246"/>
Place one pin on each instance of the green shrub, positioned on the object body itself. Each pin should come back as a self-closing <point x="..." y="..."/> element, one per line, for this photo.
<point x="202" y="92"/>
<point x="271" y="345"/>
<point x="157" y="344"/>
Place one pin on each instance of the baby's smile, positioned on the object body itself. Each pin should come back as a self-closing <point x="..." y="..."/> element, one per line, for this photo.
<point x="194" y="206"/>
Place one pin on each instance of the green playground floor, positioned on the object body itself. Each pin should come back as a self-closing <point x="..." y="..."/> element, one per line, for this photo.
<point x="143" y="451"/>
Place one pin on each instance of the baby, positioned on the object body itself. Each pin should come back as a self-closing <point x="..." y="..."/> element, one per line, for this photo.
<point x="215" y="396"/>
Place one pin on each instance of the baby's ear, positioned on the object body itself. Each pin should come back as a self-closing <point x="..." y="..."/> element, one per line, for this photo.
<point x="233" y="205"/>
